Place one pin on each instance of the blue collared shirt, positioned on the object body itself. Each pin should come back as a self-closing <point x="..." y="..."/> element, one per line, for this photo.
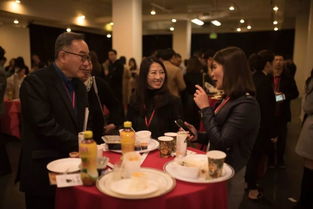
<point x="67" y="81"/>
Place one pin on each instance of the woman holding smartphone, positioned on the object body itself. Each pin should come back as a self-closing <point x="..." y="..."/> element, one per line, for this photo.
<point x="233" y="123"/>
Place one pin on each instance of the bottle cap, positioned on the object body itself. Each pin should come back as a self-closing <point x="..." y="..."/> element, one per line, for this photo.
<point x="88" y="134"/>
<point x="127" y="124"/>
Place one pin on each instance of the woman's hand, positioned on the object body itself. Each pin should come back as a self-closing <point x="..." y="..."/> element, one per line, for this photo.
<point x="193" y="137"/>
<point x="201" y="98"/>
<point x="109" y="127"/>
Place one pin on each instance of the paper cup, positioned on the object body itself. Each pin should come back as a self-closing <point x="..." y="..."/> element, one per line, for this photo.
<point x="215" y="163"/>
<point x="181" y="143"/>
<point x="174" y="136"/>
<point x="166" y="146"/>
<point x="143" y="138"/>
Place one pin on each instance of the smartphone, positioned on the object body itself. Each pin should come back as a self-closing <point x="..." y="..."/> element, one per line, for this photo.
<point x="280" y="97"/>
<point x="180" y="123"/>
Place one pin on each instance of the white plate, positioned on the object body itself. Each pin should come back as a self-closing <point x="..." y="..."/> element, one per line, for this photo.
<point x="171" y="168"/>
<point x="153" y="145"/>
<point x="164" y="182"/>
<point x="63" y="165"/>
<point x="128" y="187"/>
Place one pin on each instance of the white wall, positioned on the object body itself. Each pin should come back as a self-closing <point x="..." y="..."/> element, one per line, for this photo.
<point x="16" y="43"/>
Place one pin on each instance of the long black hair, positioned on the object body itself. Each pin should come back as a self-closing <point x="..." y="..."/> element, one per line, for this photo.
<point x="146" y="97"/>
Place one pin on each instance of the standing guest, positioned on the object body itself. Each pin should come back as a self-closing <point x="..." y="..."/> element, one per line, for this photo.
<point x="97" y="68"/>
<point x="232" y="124"/>
<point x="153" y="107"/>
<point x="53" y="101"/>
<point x="132" y="65"/>
<point x="176" y="83"/>
<point x="304" y="147"/>
<point x="36" y="63"/>
<point x="285" y="86"/>
<point x="9" y="70"/>
<point x="15" y="81"/>
<point x="115" y="75"/>
<point x="100" y="96"/>
<point x="263" y="65"/>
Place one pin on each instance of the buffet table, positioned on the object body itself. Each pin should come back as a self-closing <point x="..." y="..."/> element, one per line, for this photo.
<point x="184" y="196"/>
<point x="10" y="120"/>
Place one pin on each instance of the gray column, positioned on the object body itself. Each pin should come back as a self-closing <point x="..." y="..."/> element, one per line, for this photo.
<point x="127" y="28"/>
<point x="182" y="38"/>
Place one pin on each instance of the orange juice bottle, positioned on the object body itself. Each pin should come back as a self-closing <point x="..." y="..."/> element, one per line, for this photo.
<point x="127" y="136"/>
<point x="88" y="155"/>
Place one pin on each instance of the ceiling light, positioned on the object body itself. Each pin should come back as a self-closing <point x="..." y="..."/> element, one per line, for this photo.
<point x="249" y="27"/>
<point x="16" y="21"/>
<point x="275" y="8"/>
<point x="238" y="29"/>
<point x="276" y="29"/>
<point x="172" y="28"/>
<point x="174" y="20"/>
<point x="111" y="23"/>
<point x="109" y="35"/>
<point x="81" y="20"/>
<point x="242" y="21"/>
<point x="216" y="22"/>
<point x="153" y="12"/>
<point x="197" y="21"/>
<point x="275" y="22"/>
<point x="68" y="29"/>
<point x="17" y="1"/>
<point x="231" y="8"/>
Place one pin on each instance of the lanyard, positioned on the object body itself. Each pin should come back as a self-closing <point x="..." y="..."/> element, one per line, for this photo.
<point x="150" y="119"/>
<point x="220" y="106"/>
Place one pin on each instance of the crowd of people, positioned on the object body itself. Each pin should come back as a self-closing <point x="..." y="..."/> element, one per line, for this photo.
<point x="248" y="121"/>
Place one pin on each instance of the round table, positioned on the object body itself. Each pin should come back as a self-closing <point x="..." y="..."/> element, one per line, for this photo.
<point x="184" y="196"/>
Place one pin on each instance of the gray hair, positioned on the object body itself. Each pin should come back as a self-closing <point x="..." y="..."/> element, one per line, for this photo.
<point x="65" y="39"/>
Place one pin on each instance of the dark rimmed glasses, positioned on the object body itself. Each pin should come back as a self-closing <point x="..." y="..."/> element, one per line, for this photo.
<point x="84" y="57"/>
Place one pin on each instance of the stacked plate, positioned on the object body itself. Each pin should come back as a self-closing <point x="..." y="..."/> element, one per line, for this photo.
<point x="157" y="183"/>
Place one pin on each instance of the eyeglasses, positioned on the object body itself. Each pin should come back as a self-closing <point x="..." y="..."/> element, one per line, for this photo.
<point x="83" y="57"/>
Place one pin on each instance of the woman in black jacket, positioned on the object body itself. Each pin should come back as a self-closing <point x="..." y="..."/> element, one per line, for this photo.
<point x="233" y="123"/>
<point x="153" y="107"/>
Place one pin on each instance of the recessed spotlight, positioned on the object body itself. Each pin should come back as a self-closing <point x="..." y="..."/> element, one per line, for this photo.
<point x="68" y="29"/>
<point x="275" y="8"/>
<point x="111" y="23"/>
<point x="242" y="21"/>
<point x="172" y="28"/>
<point x="197" y="21"/>
<point x="275" y="22"/>
<point x="174" y="20"/>
<point x="153" y="12"/>
<point x="80" y="20"/>
<point x="249" y="27"/>
<point x="231" y="8"/>
<point x="238" y="29"/>
<point x="109" y="35"/>
<point x="276" y="29"/>
<point x="16" y="21"/>
<point x="216" y="22"/>
<point x="17" y="1"/>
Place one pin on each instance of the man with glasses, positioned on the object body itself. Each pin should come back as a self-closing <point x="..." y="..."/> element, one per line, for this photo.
<point x="53" y="101"/>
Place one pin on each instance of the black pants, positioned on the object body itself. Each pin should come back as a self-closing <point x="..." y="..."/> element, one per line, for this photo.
<point x="277" y="156"/>
<point x="5" y="167"/>
<point x="39" y="201"/>
<point x="306" y="196"/>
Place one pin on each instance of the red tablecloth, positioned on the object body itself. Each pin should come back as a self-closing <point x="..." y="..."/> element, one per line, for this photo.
<point x="10" y="120"/>
<point x="184" y="196"/>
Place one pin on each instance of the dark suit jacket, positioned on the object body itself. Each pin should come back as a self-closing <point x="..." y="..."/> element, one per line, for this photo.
<point x="233" y="129"/>
<point x="49" y="126"/>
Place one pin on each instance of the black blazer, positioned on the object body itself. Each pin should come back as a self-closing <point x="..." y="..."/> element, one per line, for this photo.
<point x="49" y="126"/>
<point x="233" y="129"/>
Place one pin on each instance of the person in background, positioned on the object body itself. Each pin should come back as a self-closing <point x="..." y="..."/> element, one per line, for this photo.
<point x="290" y="68"/>
<point x="36" y="63"/>
<point x="9" y="70"/>
<point x="126" y="78"/>
<point x="192" y="78"/>
<point x="176" y="83"/>
<point x="115" y="75"/>
<point x="285" y="86"/>
<point x="232" y="124"/>
<point x="53" y="103"/>
<point x="153" y="107"/>
<point x="97" y="69"/>
<point x="132" y="65"/>
<point x="15" y="81"/>
<point x="263" y="65"/>
<point x="304" y="147"/>
<point x="101" y="98"/>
